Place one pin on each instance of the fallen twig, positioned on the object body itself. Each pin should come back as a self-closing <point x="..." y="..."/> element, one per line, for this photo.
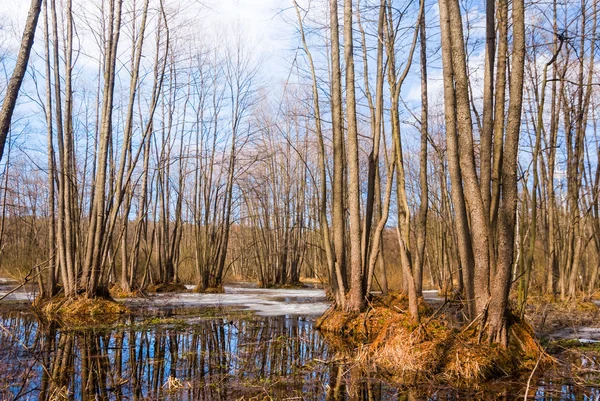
<point x="531" y="375"/>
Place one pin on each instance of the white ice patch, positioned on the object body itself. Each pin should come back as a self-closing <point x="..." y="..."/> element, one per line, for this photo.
<point x="588" y="341"/>
<point x="265" y="302"/>
<point x="17" y="295"/>
<point x="432" y="295"/>
<point x="583" y="334"/>
<point x="25" y="293"/>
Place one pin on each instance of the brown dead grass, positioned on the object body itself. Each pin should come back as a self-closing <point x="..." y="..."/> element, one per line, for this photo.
<point x="162" y="288"/>
<point x="81" y="310"/>
<point x="116" y="291"/>
<point x="210" y="290"/>
<point x="595" y="296"/>
<point x="410" y="352"/>
<point x="366" y="326"/>
<point x="215" y="290"/>
<point x="314" y="280"/>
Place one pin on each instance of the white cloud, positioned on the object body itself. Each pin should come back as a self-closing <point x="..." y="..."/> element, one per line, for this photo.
<point x="258" y="21"/>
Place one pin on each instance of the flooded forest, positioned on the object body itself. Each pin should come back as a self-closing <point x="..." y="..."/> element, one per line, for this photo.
<point x="299" y="200"/>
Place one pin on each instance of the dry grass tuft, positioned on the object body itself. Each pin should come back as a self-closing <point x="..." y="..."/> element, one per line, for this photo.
<point x="211" y="290"/>
<point x="116" y="291"/>
<point x="314" y="280"/>
<point x="524" y="341"/>
<point x="409" y="353"/>
<point x="469" y="361"/>
<point x="412" y="352"/>
<point x="162" y="288"/>
<point x="81" y="310"/>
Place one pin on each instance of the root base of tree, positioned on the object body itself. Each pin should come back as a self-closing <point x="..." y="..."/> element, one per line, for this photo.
<point x="411" y="352"/>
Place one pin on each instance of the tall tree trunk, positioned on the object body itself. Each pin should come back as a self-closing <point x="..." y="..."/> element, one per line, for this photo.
<point x="498" y="323"/>
<point x="334" y="278"/>
<point x="94" y="251"/>
<point x="488" y="103"/>
<point x="461" y="223"/>
<point x="479" y="221"/>
<point x="357" y="294"/>
<point x="338" y="219"/>
<point x="424" y="198"/>
<point x="53" y="249"/>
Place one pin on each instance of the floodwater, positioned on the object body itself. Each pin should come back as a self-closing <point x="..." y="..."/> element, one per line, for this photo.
<point x="264" y="302"/>
<point x="248" y="344"/>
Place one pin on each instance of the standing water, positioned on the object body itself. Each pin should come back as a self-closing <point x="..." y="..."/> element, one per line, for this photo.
<point x="246" y="344"/>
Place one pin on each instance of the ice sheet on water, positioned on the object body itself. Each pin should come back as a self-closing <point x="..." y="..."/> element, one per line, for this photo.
<point x="17" y="295"/>
<point x="584" y="334"/>
<point x="265" y="302"/>
<point x="588" y="341"/>
<point x="432" y="295"/>
<point x="25" y="293"/>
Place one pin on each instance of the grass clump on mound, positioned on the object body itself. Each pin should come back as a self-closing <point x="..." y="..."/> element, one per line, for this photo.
<point x="81" y="310"/>
<point x="412" y="352"/>
<point x="116" y="291"/>
<point x="210" y="290"/>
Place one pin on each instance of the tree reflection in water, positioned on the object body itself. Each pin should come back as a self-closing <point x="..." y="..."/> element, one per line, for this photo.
<point x="214" y="359"/>
<point x="217" y="359"/>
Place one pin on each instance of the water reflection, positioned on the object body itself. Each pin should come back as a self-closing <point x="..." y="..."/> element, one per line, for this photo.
<point x="216" y="359"/>
<point x="213" y="359"/>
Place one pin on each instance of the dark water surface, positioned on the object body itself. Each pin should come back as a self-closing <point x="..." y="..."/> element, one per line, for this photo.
<point x="238" y="357"/>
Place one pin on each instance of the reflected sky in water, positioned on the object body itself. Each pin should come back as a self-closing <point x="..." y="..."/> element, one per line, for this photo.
<point x="218" y="358"/>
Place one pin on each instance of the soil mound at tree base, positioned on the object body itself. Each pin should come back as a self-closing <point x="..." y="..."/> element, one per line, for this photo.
<point x="388" y="339"/>
<point x="81" y="310"/>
